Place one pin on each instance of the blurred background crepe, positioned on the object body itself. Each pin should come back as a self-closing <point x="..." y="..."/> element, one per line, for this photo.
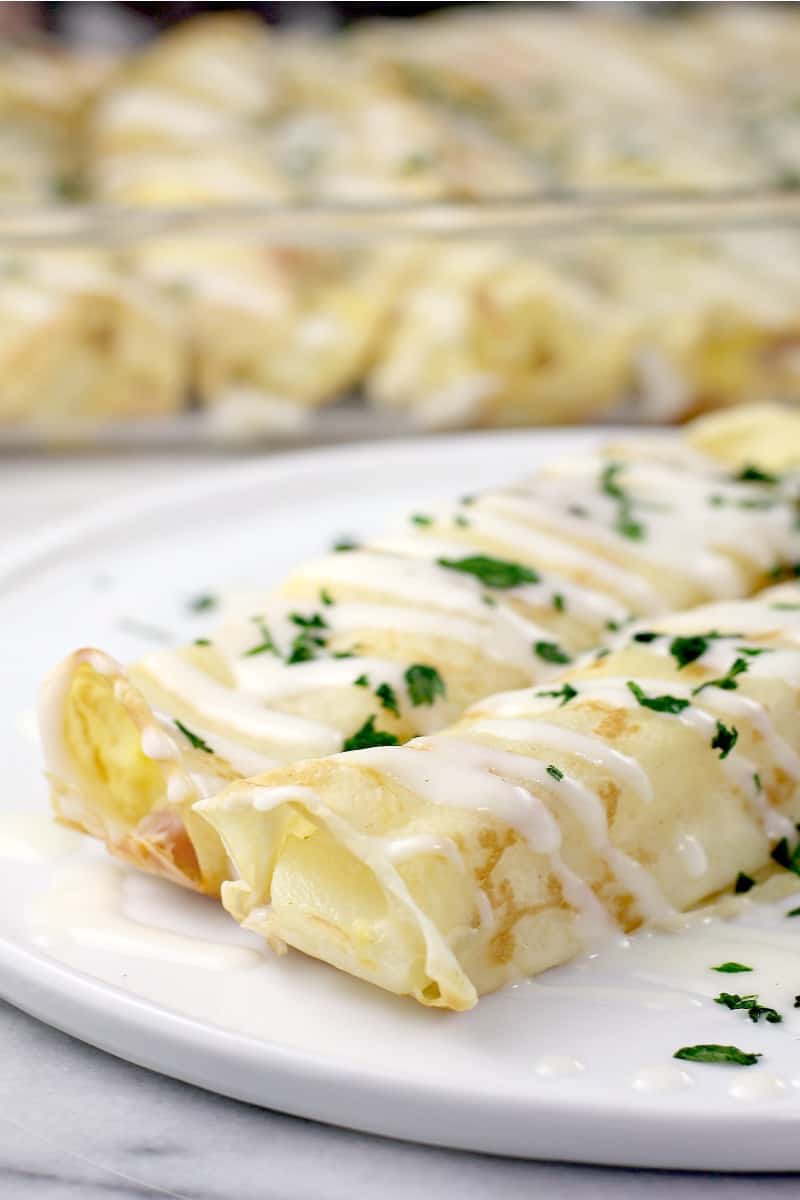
<point x="477" y="216"/>
<point x="636" y="784"/>
<point x="377" y="645"/>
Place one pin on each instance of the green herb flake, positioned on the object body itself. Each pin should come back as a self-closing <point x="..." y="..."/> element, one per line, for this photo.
<point x="717" y="1054"/>
<point x="793" y="912"/>
<point x="315" y="621"/>
<point x="687" y="650"/>
<point x="194" y="739"/>
<point x="388" y="698"/>
<point x="202" y="603"/>
<point x="565" y="694"/>
<point x="646" y="636"/>
<point x="556" y="774"/>
<point x="362" y="681"/>
<point x="368" y="736"/>
<point x="325" y="596"/>
<point x="624" y="523"/>
<point x="786" y="607"/>
<point x="424" y="683"/>
<point x="744" y="883"/>
<point x="724" y="739"/>
<point x="663" y="704"/>
<point x="461" y="521"/>
<point x="732" y="968"/>
<point x="343" y="544"/>
<point x="201" y="642"/>
<point x="559" y="603"/>
<point x="421" y="519"/>
<point x="266" y="645"/>
<point x="786" y="858"/>
<point x="551" y="652"/>
<point x="754" y="651"/>
<point x="727" y="683"/>
<point x="753" y="474"/>
<point x="492" y="572"/>
<point x="750" y="1005"/>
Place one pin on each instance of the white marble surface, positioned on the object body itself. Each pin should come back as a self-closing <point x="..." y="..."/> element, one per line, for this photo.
<point x="77" y="1123"/>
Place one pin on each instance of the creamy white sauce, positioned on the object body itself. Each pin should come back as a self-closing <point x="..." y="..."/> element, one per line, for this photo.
<point x="84" y="904"/>
<point x="661" y="1078"/>
<point x="237" y="714"/>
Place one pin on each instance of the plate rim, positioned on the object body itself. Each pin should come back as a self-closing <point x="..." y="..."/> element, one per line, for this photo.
<point x="304" y="1083"/>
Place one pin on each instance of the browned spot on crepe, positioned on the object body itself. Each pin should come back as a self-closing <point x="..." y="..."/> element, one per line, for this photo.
<point x="614" y="724"/>
<point x="609" y="792"/>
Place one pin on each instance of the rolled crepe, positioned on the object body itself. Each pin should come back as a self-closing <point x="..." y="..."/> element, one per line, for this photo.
<point x="81" y="341"/>
<point x="382" y="644"/>
<point x="635" y="785"/>
<point x="487" y="337"/>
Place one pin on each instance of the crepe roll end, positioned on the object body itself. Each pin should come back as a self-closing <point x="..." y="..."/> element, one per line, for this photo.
<point x="110" y="765"/>
<point x="308" y="881"/>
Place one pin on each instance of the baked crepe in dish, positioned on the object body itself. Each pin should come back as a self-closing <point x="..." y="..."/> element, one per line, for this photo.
<point x="81" y="341"/>
<point x="636" y="784"/>
<point x="382" y="644"/>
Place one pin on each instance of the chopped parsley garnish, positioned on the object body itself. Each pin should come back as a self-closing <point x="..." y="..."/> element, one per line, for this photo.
<point x="315" y="621"/>
<point x="731" y="968"/>
<point x="624" y="522"/>
<point x="266" y="645"/>
<point x="612" y="626"/>
<point x="786" y="858"/>
<point x="663" y="704"/>
<point x="724" y="739"/>
<point x="577" y="510"/>
<point x="368" y="736"/>
<point x="753" y="474"/>
<point x="687" y="650"/>
<point x="424" y="683"/>
<point x="492" y="572"/>
<point x="793" y="912"/>
<point x="754" y="651"/>
<point x="757" y="781"/>
<point x="194" y="739"/>
<point x="728" y="681"/>
<point x="750" y="1005"/>
<point x="388" y="698"/>
<point x="201" y="642"/>
<point x="786" y="607"/>
<point x="325" y="596"/>
<point x="559" y="603"/>
<point x="307" y="642"/>
<point x="421" y="519"/>
<point x="489" y="601"/>
<point x="460" y="520"/>
<point x="343" y="654"/>
<point x="304" y="648"/>
<point x="744" y="883"/>
<point x="362" y="681"/>
<point x="556" y="774"/>
<point x="467" y="500"/>
<point x="565" y="694"/>
<point x="343" y="544"/>
<point x="551" y="652"/>
<point x="717" y="1054"/>
<point x="646" y="636"/>
<point x="202" y="603"/>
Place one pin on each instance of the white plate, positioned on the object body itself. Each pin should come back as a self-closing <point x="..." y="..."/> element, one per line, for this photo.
<point x="577" y="1065"/>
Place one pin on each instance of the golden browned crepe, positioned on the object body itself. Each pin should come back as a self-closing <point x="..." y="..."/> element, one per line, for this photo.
<point x="380" y="644"/>
<point x="635" y="785"/>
